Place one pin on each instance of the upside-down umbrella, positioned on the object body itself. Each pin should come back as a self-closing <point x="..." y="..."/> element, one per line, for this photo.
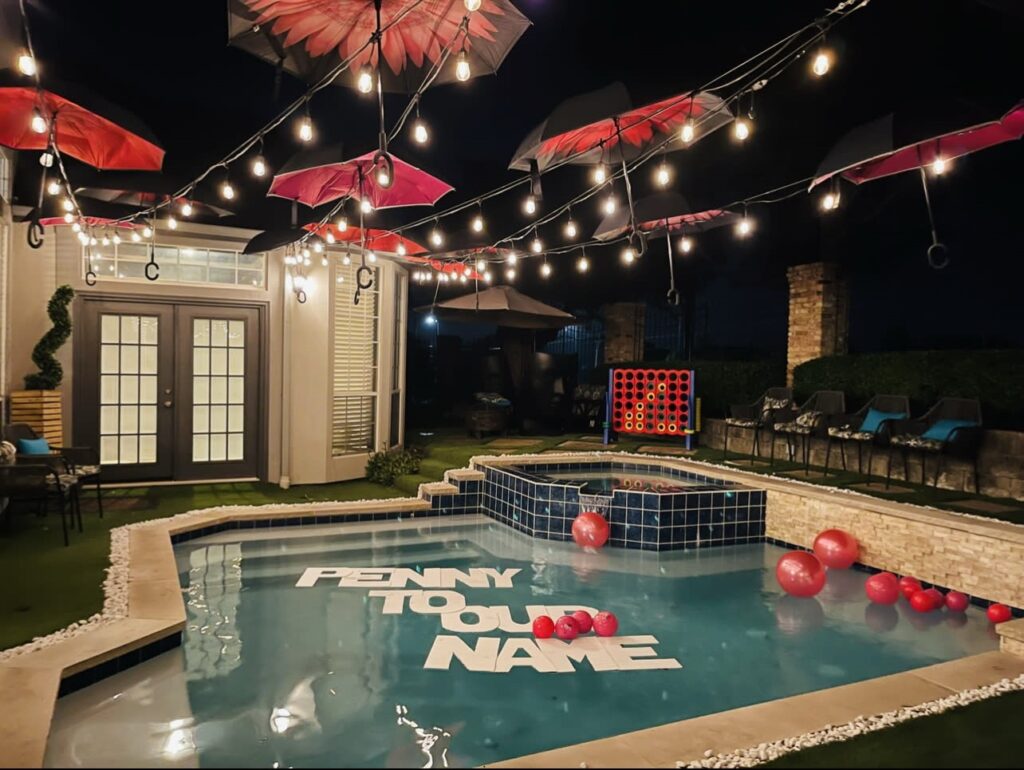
<point x="603" y="126"/>
<point x="315" y="177"/>
<point x="311" y="38"/>
<point x="143" y="191"/>
<point x="383" y="241"/>
<point x="501" y="306"/>
<point x="929" y="134"/>
<point x="269" y="240"/>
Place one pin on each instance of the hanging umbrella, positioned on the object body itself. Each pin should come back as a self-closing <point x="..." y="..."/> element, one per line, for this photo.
<point x="603" y="126"/>
<point x="664" y="213"/>
<point x="928" y="134"/>
<point x="269" y="240"/>
<point x="143" y="191"/>
<point x="381" y="241"/>
<point x="501" y="306"/>
<point x="79" y="123"/>
<point x="310" y="38"/>
<point x="315" y="177"/>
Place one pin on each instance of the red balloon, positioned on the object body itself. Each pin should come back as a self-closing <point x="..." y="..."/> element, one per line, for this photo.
<point x="800" y="573"/>
<point x="938" y="598"/>
<point x="543" y="627"/>
<point x="605" y="624"/>
<point x="566" y="628"/>
<point x="998" y="613"/>
<point x="590" y="530"/>
<point x="922" y="601"/>
<point x="583" y="620"/>
<point x="957" y="602"/>
<point x="910" y="586"/>
<point x="882" y="588"/>
<point x="836" y="549"/>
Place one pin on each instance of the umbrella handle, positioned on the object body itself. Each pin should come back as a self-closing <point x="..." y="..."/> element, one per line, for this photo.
<point x="300" y="295"/>
<point x="362" y="272"/>
<point x="672" y="296"/>
<point x="938" y="254"/>
<point x="152" y="269"/>
<point x="90" y="277"/>
<point x="35" y="234"/>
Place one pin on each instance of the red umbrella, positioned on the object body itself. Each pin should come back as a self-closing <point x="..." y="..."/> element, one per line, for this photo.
<point x="310" y="38"/>
<point x="661" y="213"/>
<point x="376" y="240"/>
<point x="319" y="176"/>
<point x="80" y="124"/>
<point x="87" y="221"/>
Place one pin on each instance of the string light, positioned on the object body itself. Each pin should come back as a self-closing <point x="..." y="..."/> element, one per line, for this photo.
<point x="745" y="226"/>
<point x="172" y="223"/>
<point x="599" y="174"/>
<point x="83" y="238"/>
<point x="318" y="246"/>
<point x="330" y="237"/>
<point x="488" y="277"/>
<point x="830" y="201"/>
<point x="371" y="256"/>
<point x="462" y="70"/>
<point x="512" y="258"/>
<point x="186" y="208"/>
<point x="608" y="206"/>
<point x="663" y="174"/>
<point x="583" y="264"/>
<point x="365" y="206"/>
<point x="39" y="124"/>
<point x="628" y="255"/>
<point x="473" y="5"/>
<point x="463" y="278"/>
<point x="939" y="166"/>
<point x="342" y="224"/>
<point x="420" y="133"/>
<point x="92" y="240"/>
<point x="147" y="232"/>
<point x="67" y="205"/>
<point x="383" y="177"/>
<point x="346" y="260"/>
<point x="536" y="245"/>
<point x="76" y="227"/>
<point x="741" y="129"/>
<point x="324" y="262"/>
<point x="135" y="235"/>
<point x="27" y="64"/>
<point x="227" y="192"/>
<point x="545" y="270"/>
<point x="305" y="129"/>
<point x="46" y="159"/>
<point x="688" y="133"/>
<point x="686" y="244"/>
<point x="822" y="62"/>
<point x="69" y="218"/>
<point x="481" y="265"/>
<point x="259" y="166"/>
<point x="477" y="224"/>
<point x="511" y="273"/>
<point x="400" y="250"/>
<point x="571" y="230"/>
<point x="116" y="238"/>
<point x="53" y="187"/>
<point x="436" y="236"/>
<point x="530" y="205"/>
<point x="364" y="82"/>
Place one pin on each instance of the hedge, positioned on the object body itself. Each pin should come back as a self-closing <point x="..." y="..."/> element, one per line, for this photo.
<point x="994" y="377"/>
<point x="719" y="383"/>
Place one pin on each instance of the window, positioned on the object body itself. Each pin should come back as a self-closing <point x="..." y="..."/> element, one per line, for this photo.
<point x="218" y="390"/>
<point x="128" y="398"/>
<point x="398" y="347"/>
<point x="354" y="405"/>
<point x="180" y="264"/>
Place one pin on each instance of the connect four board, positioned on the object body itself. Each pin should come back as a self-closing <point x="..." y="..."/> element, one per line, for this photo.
<point x="652" y="402"/>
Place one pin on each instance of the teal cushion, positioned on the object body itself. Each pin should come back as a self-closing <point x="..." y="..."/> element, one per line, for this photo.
<point x="943" y="429"/>
<point x="874" y="418"/>
<point x="33" y="446"/>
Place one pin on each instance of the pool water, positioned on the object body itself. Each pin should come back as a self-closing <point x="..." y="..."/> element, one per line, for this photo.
<point x="275" y="675"/>
<point x="604" y="483"/>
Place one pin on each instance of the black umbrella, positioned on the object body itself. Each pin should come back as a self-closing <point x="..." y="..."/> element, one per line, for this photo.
<point x="661" y="213"/>
<point x="143" y="191"/>
<point x="269" y="240"/>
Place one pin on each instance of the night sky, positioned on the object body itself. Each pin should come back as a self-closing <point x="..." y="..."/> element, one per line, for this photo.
<point x="169" y="63"/>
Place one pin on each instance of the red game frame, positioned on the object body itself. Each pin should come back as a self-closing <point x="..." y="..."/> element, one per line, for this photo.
<point x="651" y="402"/>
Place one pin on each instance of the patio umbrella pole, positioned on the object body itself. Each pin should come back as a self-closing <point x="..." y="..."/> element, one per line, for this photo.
<point x="642" y="248"/>
<point x="382" y="134"/>
<point x="937" y="247"/>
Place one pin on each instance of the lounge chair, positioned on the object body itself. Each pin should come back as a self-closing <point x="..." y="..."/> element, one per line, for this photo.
<point x="952" y="427"/>
<point x="870" y="425"/>
<point x="809" y="421"/>
<point x="757" y="416"/>
<point x="81" y="462"/>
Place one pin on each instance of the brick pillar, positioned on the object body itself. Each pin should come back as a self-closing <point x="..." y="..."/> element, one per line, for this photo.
<point x="818" y="314"/>
<point x="623" y="332"/>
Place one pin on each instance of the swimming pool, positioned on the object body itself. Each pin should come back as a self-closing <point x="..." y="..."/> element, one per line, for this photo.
<point x="292" y="657"/>
<point x="606" y="482"/>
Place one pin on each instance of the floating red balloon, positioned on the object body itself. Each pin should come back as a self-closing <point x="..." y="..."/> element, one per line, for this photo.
<point x="543" y="627"/>
<point x="836" y="549"/>
<point x="605" y="624"/>
<point x="590" y="530"/>
<point x="998" y="613"/>
<point x="957" y="602"/>
<point x="566" y="628"/>
<point x="583" y="620"/>
<point x="910" y="586"/>
<point x="882" y="588"/>
<point x="800" y="573"/>
<point x="921" y="601"/>
<point x="938" y="598"/>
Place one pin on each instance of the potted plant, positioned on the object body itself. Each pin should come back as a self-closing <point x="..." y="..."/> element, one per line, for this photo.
<point x="39" y="405"/>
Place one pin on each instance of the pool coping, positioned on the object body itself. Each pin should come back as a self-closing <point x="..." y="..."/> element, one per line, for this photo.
<point x="144" y="606"/>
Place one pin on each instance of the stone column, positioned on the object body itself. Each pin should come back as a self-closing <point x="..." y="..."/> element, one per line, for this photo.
<point x="818" y="314"/>
<point x="623" y="332"/>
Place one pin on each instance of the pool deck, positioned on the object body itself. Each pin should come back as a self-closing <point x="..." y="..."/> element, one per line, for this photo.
<point x="30" y="680"/>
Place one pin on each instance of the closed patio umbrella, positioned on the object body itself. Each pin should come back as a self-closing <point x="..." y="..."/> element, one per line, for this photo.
<point x="501" y="306"/>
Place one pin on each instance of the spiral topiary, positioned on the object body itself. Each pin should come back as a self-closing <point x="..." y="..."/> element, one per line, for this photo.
<point x="50" y="372"/>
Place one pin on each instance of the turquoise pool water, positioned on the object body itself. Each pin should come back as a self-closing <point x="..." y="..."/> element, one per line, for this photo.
<point x="271" y="674"/>
<point x="606" y="482"/>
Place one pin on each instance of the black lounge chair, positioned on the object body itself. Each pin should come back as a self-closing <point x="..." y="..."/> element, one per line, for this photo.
<point x="870" y="425"/>
<point x="757" y="416"/>
<point x="40" y="483"/>
<point x="81" y="462"/>
<point x="809" y="421"/>
<point x="952" y="427"/>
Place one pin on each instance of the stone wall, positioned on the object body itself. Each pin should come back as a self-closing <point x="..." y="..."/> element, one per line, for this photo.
<point x="1000" y="461"/>
<point x="623" y="332"/>
<point x="818" y="314"/>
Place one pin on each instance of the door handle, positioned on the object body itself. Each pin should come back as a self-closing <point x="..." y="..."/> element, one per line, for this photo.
<point x="168" y="404"/>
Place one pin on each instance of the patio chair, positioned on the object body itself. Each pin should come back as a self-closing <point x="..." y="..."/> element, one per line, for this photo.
<point x="808" y="421"/>
<point x="81" y="462"/>
<point x="952" y="427"/>
<point x="869" y="425"/>
<point x="38" y="483"/>
<point x="756" y="416"/>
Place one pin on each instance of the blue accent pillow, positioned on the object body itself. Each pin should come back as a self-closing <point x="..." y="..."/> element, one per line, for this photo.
<point x="943" y="429"/>
<point x="33" y="446"/>
<point x="874" y="418"/>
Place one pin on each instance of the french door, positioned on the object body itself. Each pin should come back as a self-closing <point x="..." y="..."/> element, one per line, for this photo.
<point x="169" y="390"/>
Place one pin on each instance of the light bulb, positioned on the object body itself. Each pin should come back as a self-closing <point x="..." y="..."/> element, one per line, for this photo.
<point x="436" y="238"/>
<point x="462" y="70"/>
<point x="688" y="132"/>
<point x="83" y="239"/>
<point x="472" y="5"/>
<point x="822" y="63"/>
<point x="39" y="124"/>
<point x="27" y="64"/>
<point x="609" y="204"/>
<point x="227" y="191"/>
<point x="511" y="273"/>
<point x="420" y="134"/>
<point x="628" y="255"/>
<point x="383" y="177"/>
<point x="147" y="232"/>
<point x="135" y="236"/>
<point x="305" y="253"/>
<point x="530" y="205"/>
<point x="939" y="166"/>
<point x="599" y="174"/>
<point x="545" y="270"/>
<point x="116" y="239"/>
<point x="340" y="279"/>
<point x="478" y="223"/>
<point x="330" y="237"/>
<point x="583" y="264"/>
<point x="488" y="277"/>
<point x="324" y="262"/>
<point x="686" y="244"/>
<point x="663" y="175"/>
<point x="318" y="247"/>
<point x="67" y="205"/>
<point x="536" y="246"/>
<point x="289" y="260"/>
<point x="106" y="240"/>
<point x="259" y="166"/>
<point x="371" y="256"/>
<point x="512" y="258"/>
<point x="365" y="206"/>
<point x="92" y="240"/>
<point x="463" y="278"/>
<point x="342" y="224"/>
<point x="744" y="227"/>
<point x="76" y="227"/>
<point x="53" y="187"/>
<point x="346" y="260"/>
<point x="172" y="223"/>
<point x="300" y="281"/>
<point x="830" y="201"/>
<point x="305" y="130"/>
<point x="400" y="250"/>
<point x="46" y="159"/>
<point x="571" y="231"/>
<point x="364" y="82"/>
<point x="481" y="265"/>
<point x="186" y="209"/>
<point x="741" y="129"/>
<point x="69" y="218"/>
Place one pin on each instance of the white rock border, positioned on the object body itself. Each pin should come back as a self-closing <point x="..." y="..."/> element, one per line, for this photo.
<point x="766" y="752"/>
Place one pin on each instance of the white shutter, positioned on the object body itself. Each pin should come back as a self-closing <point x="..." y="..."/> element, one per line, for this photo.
<point x="354" y="368"/>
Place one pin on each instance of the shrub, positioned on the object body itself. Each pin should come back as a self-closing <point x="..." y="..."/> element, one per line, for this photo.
<point x="994" y="377"/>
<point x="385" y="467"/>
<point x="50" y="373"/>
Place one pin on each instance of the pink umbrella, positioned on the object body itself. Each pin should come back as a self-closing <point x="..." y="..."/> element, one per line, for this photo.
<point x="320" y="176"/>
